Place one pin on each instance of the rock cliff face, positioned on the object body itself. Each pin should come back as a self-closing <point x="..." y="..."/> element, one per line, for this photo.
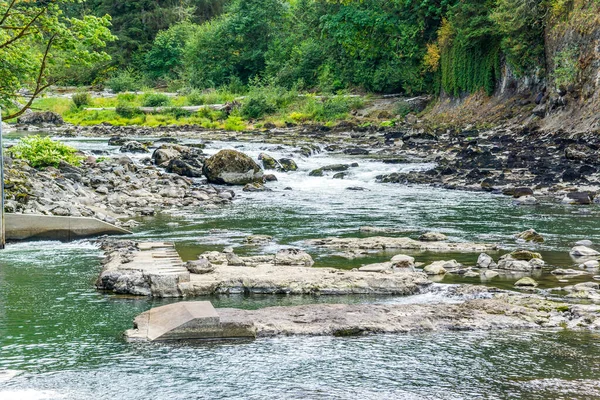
<point x="562" y="96"/>
<point x="573" y="62"/>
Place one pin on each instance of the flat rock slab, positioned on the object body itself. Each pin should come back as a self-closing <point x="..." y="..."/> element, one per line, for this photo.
<point x="502" y="311"/>
<point x="274" y="279"/>
<point x="399" y="243"/>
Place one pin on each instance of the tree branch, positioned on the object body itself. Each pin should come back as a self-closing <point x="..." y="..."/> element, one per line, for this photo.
<point x="39" y="87"/>
<point x="23" y="31"/>
<point x="7" y="13"/>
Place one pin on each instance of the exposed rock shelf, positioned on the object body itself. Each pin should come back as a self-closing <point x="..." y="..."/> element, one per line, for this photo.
<point x="400" y="243"/>
<point x="154" y="269"/>
<point x="191" y="320"/>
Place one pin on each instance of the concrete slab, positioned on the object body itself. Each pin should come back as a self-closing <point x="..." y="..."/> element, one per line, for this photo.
<point x="188" y="320"/>
<point x="31" y="226"/>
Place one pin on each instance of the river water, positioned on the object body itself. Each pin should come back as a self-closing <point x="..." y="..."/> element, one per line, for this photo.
<point x="62" y="339"/>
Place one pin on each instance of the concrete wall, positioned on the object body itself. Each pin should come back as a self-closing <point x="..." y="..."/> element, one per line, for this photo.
<point x="28" y="226"/>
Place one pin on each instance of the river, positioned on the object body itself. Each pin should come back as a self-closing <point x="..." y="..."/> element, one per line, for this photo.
<point x="63" y="340"/>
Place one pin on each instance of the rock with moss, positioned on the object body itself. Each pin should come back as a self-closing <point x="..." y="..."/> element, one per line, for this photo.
<point x="287" y="164"/>
<point x="525" y="255"/>
<point x="231" y="167"/>
<point x="530" y="235"/>
<point x="268" y="161"/>
<point x="526" y="282"/>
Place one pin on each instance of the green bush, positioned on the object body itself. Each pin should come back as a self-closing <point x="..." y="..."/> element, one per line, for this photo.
<point x="127" y="110"/>
<point x="333" y="108"/>
<point x="178" y="112"/>
<point x="403" y="108"/>
<point x="234" y="124"/>
<point x="256" y="107"/>
<point x="42" y="151"/>
<point x="81" y="99"/>
<point x="566" y="67"/>
<point x="124" y="81"/>
<point x="126" y="97"/>
<point x="155" y="100"/>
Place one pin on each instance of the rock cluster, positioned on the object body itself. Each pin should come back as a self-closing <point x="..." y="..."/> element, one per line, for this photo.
<point x="107" y="189"/>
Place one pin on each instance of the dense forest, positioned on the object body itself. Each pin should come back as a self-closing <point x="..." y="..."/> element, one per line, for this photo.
<point x="410" y="47"/>
<point x="373" y="45"/>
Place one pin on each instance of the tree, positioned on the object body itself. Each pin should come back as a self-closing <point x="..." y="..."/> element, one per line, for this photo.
<point x="234" y="45"/>
<point x="39" y="44"/>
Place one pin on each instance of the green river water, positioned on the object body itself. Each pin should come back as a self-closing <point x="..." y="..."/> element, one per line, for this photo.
<point x="61" y="338"/>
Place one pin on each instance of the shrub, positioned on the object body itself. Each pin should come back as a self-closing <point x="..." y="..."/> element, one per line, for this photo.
<point x="566" y="67"/>
<point x="234" y="124"/>
<point x="127" y="110"/>
<point x="333" y="108"/>
<point x="178" y="112"/>
<point x="81" y="99"/>
<point x="42" y="151"/>
<point x="257" y="106"/>
<point x="155" y="100"/>
<point x="126" y="80"/>
<point x="126" y="97"/>
<point x="403" y="108"/>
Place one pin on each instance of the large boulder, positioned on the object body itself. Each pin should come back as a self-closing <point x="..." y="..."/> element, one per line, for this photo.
<point x="39" y="118"/>
<point x="231" y="167"/>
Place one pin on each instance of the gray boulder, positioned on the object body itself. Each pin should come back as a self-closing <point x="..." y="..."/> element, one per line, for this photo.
<point x="232" y="168"/>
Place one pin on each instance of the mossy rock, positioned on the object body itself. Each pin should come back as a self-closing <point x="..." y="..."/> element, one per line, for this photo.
<point x="287" y="164"/>
<point x="230" y="167"/>
<point x="268" y="161"/>
<point x="525" y="255"/>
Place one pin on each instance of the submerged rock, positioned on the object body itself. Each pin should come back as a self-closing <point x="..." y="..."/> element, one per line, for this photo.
<point x="527" y="281"/>
<point x="233" y="168"/>
<point x="433" y="237"/>
<point x="530" y="235"/>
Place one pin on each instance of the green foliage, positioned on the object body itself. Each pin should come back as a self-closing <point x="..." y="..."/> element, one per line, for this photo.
<point x="470" y="50"/>
<point x="403" y="108"/>
<point x="155" y="100"/>
<point x="233" y="46"/>
<point x="40" y="46"/>
<point x="126" y="80"/>
<point x="263" y="100"/>
<point x="234" y="123"/>
<point x="178" y="112"/>
<point x="136" y="23"/>
<point x="81" y="99"/>
<point x="127" y="110"/>
<point x="42" y="151"/>
<point x="164" y="60"/>
<point x="521" y="24"/>
<point x="566" y="67"/>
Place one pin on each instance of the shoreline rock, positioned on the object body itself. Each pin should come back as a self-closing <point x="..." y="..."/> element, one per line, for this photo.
<point x="500" y="311"/>
<point x="382" y="242"/>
